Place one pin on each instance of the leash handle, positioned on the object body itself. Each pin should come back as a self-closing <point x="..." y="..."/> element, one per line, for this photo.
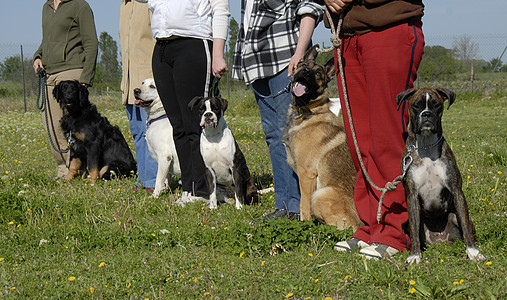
<point x="214" y="90"/>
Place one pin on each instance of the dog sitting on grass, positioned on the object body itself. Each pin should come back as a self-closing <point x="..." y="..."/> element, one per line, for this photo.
<point x="96" y="146"/>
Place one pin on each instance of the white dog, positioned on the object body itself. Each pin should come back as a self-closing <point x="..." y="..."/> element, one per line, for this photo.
<point x="159" y="135"/>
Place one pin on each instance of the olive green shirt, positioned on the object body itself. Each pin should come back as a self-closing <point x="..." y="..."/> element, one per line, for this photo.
<point x="69" y="39"/>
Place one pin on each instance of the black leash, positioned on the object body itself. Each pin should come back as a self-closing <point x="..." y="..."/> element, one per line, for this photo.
<point x="214" y="90"/>
<point x="44" y="105"/>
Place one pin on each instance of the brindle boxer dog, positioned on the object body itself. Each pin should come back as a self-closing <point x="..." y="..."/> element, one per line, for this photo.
<point x="317" y="148"/>
<point x="437" y="208"/>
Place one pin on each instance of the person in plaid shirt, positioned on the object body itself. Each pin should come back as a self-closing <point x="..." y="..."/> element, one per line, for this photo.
<point x="273" y="37"/>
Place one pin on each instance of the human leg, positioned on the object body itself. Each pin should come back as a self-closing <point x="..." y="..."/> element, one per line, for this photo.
<point x="146" y="165"/>
<point x="181" y="68"/>
<point x="273" y="113"/>
<point x="51" y="119"/>
<point x="388" y="62"/>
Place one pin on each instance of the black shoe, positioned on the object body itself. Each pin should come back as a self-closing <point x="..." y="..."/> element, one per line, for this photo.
<point x="278" y="213"/>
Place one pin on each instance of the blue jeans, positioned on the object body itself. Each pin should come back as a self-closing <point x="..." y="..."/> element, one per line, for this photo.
<point x="273" y="116"/>
<point x="146" y="165"/>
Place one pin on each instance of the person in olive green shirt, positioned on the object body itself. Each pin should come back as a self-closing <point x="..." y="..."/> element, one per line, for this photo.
<point x="68" y="52"/>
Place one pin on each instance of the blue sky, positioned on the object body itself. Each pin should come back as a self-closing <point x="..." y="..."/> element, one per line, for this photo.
<point x="484" y="21"/>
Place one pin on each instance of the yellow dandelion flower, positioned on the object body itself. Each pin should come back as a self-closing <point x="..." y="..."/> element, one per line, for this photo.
<point x="455" y="283"/>
<point x="13" y="288"/>
<point x="6" y="172"/>
<point x="468" y="176"/>
<point x="118" y="190"/>
<point x="412" y="282"/>
<point x="347" y="277"/>
<point x="441" y="260"/>
<point x="499" y="172"/>
<point x="310" y="254"/>
<point x="92" y="289"/>
<point x="461" y="281"/>
<point x="11" y="223"/>
<point x="195" y="280"/>
<point x="129" y="285"/>
<point x="487" y="263"/>
<point x="206" y="294"/>
<point x="225" y="228"/>
<point x="241" y="254"/>
<point x="411" y="291"/>
<point x="72" y="278"/>
<point x="471" y="166"/>
<point x="289" y="295"/>
<point x="152" y="234"/>
<point x="2" y="259"/>
<point x="102" y="264"/>
<point x="263" y="263"/>
<point x="328" y="298"/>
<point x="119" y="223"/>
<point x="316" y="280"/>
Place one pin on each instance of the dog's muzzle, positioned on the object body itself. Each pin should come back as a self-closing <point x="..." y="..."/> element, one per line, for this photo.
<point x="208" y="120"/>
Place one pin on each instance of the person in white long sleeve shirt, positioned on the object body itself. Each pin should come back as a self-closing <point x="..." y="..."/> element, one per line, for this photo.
<point x="189" y="52"/>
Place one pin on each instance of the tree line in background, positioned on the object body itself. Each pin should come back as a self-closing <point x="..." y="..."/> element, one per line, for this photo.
<point x="438" y="63"/>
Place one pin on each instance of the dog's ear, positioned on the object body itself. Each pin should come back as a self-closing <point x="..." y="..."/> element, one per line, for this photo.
<point x="194" y="101"/>
<point x="57" y="92"/>
<point x="224" y="103"/>
<point x="403" y="96"/>
<point x="311" y="53"/>
<point x="448" y="95"/>
<point x="83" y="94"/>
<point x="330" y="68"/>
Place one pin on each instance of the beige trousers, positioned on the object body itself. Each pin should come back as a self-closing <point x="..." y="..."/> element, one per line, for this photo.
<point x="54" y="115"/>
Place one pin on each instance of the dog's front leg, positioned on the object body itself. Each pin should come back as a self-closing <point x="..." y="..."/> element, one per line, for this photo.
<point x="74" y="167"/>
<point x="213" y="203"/>
<point x="162" y="175"/>
<point x="414" y="221"/>
<point x="466" y="225"/>
<point x="307" y="185"/>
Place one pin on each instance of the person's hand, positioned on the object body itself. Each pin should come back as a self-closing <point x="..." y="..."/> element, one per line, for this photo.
<point x="219" y="67"/>
<point x="337" y="6"/>
<point x="37" y="63"/>
<point x="293" y="64"/>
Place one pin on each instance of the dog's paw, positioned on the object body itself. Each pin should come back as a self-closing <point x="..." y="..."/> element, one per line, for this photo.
<point x="474" y="254"/>
<point x="414" y="258"/>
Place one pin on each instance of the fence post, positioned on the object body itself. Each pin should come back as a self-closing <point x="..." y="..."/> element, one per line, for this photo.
<point x="23" y="76"/>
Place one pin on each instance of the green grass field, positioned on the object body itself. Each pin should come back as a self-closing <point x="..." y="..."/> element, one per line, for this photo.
<point x="107" y="240"/>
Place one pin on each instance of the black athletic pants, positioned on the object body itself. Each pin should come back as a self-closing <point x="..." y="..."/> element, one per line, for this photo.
<point x="182" y="71"/>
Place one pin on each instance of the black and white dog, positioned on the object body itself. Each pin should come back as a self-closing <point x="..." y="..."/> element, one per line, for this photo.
<point x="437" y="208"/>
<point x="159" y="135"/>
<point x="221" y="154"/>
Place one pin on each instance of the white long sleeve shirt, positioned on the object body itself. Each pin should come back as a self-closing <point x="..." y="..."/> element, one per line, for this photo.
<point x="204" y="19"/>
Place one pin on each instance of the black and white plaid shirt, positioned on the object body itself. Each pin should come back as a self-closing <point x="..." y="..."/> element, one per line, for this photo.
<point x="272" y="37"/>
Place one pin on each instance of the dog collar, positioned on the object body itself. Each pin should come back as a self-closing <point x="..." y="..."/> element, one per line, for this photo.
<point x="154" y="120"/>
<point x="301" y="110"/>
<point x="430" y="146"/>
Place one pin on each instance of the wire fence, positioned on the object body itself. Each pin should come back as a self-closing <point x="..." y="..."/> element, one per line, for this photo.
<point x="445" y="63"/>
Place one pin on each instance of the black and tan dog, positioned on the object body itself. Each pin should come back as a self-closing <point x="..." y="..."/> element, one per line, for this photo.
<point x="317" y="148"/>
<point x="96" y="146"/>
<point x="436" y="204"/>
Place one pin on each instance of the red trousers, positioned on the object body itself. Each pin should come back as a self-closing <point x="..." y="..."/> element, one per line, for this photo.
<point x="377" y="67"/>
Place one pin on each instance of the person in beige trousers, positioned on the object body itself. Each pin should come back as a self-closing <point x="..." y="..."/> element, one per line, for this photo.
<point x="67" y="52"/>
<point x="137" y="46"/>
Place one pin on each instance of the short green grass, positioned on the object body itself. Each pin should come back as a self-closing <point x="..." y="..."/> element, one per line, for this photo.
<point x="107" y="240"/>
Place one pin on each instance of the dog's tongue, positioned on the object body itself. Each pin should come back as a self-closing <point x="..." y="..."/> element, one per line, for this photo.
<point x="299" y="89"/>
<point x="137" y="102"/>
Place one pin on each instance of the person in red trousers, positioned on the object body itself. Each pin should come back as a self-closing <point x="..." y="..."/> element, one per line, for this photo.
<point x="382" y="46"/>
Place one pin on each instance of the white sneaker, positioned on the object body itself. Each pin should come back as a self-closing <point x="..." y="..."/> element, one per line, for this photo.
<point x="378" y="251"/>
<point x="184" y="199"/>
<point x="350" y="245"/>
